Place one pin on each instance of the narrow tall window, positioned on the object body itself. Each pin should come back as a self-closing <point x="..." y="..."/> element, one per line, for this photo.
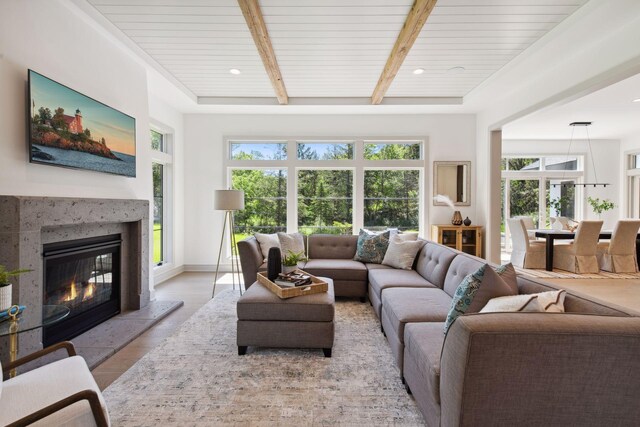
<point x="161" y="162"/>
<point x="392" y="199"/>
<point x="158" y="213"/>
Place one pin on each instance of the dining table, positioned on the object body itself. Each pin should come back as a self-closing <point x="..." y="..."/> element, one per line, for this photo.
<point x="551" y="235"/>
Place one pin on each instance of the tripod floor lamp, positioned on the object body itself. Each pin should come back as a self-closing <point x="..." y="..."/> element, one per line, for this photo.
<point x="228" y="201"/>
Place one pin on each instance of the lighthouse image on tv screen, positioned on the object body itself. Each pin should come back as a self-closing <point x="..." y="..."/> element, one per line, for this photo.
<point x="72" y="130"/>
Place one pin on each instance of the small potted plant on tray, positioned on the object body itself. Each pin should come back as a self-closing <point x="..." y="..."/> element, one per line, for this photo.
<point x="5" y="285"/>
<point x="290" y="261"/>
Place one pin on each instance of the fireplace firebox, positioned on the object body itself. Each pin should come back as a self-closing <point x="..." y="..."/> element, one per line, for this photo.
<point x="83" y="275"/>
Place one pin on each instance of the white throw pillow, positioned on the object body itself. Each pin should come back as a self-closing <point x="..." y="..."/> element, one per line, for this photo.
<point x="513" y="303"/>
<point x="552" y="301"/>
<point x="293" y="243"/>
<point x="267" y="241"/>
<point x="405" y="237"/>
<point x="401" y="254"/>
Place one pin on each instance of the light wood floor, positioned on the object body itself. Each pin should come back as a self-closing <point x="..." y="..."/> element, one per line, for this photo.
<point x="622" y="292"/>
<point x="192" y="288"/>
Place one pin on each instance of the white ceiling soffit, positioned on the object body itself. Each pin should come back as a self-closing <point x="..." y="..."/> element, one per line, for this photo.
<point x="332" y="49"/>
<point x="611" y="110"/>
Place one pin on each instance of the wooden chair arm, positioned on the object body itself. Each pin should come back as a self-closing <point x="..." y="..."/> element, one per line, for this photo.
<point x="90" y="395"/>
<point x="67" y="345"/>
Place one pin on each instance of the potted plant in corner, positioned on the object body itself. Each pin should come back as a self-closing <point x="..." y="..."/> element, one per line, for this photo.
<point x="6" y="287"/>
<point x="599" y="206"/>
<point x="290" y="261"/>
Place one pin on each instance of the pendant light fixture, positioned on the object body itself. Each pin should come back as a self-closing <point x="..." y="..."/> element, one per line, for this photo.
<point x="595" y="173"/>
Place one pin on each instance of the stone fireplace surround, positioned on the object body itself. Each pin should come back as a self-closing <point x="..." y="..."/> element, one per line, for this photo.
<point x="27" y="223"/>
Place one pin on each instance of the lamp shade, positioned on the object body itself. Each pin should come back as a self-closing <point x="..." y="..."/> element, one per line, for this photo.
<point x="228" y="200"/>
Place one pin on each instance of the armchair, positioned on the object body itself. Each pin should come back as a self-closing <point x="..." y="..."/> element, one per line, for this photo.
<point x="59" y="393"/>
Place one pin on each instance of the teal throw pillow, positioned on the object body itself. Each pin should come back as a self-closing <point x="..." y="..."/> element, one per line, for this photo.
<point x="372" y="247"/>
<point x="477" y="288"/>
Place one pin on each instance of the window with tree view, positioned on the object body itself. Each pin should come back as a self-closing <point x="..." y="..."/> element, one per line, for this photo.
<point x="158" y="212"/>
<point x="325" y="201"/>
<point x="265" y="201"/>
<point x="391" y="199"/>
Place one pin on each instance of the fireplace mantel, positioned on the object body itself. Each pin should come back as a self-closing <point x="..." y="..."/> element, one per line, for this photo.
<point x="27" y="223"/>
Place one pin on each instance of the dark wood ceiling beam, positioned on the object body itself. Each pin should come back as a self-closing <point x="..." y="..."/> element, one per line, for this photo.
<point x="255" y="22"/>
<point x="416" y="19"/>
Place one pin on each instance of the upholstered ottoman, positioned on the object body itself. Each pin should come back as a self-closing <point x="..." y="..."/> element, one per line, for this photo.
<point x="265" y="320"/>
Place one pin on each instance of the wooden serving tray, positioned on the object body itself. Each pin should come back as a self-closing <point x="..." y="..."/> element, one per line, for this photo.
<point x="317" y="286"/>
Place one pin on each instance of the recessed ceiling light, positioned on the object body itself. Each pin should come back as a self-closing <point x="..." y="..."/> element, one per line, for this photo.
<point x="418" y="71"/>
<point x="234" y="71"/>
<point x="636" y="100"/>
<point x="456" y="70"/>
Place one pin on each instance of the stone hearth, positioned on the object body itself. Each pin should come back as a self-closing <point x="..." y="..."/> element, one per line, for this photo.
<point x="27" y="223"/>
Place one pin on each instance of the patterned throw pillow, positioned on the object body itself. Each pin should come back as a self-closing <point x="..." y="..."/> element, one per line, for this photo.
<point x="372" y="247"/>
<point x="476" y="289"/>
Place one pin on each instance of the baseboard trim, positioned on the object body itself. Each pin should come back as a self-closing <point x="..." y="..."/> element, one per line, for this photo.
<point x="224" y="268"/>
<point x="168" y="274"/>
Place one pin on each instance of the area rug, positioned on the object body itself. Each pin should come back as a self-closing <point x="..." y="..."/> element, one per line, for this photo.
<point x="562" y="274"/>
<point x="196" y="378"/>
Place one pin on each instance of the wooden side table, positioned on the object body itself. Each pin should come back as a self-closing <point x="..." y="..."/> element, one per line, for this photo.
<point x="464" y="238"/>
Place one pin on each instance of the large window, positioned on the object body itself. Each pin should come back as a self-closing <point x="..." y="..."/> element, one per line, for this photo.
<point x="326" y="185"/>
<point x="325" y="201"/>
<point x="161" y="180"/>
<point x="392" y="199"/>
<point x="540" y="187"/>
<point x="265" y="201"/>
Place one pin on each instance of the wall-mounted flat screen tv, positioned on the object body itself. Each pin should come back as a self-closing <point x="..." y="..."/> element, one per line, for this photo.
<point x="69" y="129"/>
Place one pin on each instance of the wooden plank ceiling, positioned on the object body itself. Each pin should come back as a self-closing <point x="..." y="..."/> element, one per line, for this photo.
<point x="333" y="48"/>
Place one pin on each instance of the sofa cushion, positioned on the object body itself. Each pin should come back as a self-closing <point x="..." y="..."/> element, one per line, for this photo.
<point x="372" y="247"/>
<point x="433" y="262"/>
<point x="337" y="269"/>
<point x="331" y="246"/>
<point x="373" y="266"/>
<point x="410" y="305"/>
<point x="401" y="254"/>
<point x="461" y="266"/>
<point x="380" y="279"/>
<point x="423" y="344"/>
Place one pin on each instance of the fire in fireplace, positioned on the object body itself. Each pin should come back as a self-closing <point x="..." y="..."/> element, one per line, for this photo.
<point x="83" y="275"/>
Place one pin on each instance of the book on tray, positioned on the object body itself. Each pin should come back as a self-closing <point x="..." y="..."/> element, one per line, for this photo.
<point x="293" y="279"/>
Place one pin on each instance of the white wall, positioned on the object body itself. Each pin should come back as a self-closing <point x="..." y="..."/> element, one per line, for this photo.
<point x="450" y="137"/>
<point x="55" y="39"/>
<point x="606" y="154"/>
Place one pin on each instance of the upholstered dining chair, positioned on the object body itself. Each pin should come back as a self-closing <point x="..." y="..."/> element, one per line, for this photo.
<point x="579" y="256"/>
<point x="62" y="393"/>
<point x="563" y="220"/>
<point x="528" y="225"/>
<point x="619" y="256"/>
<point x="525" y="253"/>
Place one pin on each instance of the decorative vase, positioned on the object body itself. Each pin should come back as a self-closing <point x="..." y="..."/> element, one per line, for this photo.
<point x="5" y="297"/>
<point x="274" y="263"/>
<point x="457" y="218"/>
<point x="467" y="221"/>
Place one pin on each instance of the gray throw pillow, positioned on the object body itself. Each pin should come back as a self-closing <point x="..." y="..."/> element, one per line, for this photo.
<point x="291" y="243"/>
<point x="371" y="247"/>
<point x="267" y="241"/>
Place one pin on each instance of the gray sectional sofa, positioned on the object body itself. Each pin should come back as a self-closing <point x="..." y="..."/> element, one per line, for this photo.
<point x="581" y="367"/>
